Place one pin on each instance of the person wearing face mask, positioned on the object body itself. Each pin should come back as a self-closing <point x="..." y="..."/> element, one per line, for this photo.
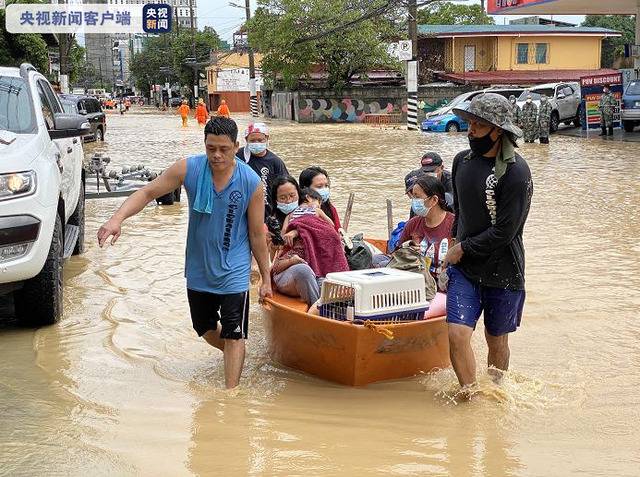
<point x="432" y="222"/>
<point x="430" y="165"/>
<point x="544" y="119"/>
<point x="492" y="190"/>
<point x="607" y="107"/>
<point x="515" y="110"/>
<point x="264" y="162"/>
<point x="529" y="120"/>
<point x="317" y="178"/>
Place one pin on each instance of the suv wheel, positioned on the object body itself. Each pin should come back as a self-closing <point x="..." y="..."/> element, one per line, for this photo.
<point x="77" y="218"/>
<point x="39" y="302"/>
<point x="99" y="135"/>
<point x="452" y="127"/>
<point x="628" y="126"/>
<point x="555" y="121"/>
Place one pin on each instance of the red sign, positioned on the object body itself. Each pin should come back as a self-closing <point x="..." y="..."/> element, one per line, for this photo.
<point x="601" y="80"/>
<point x="496" y="6"/>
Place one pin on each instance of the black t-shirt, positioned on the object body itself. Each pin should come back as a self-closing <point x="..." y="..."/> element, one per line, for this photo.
<point x="268" y="167"/>
<point x="490" y="228"/>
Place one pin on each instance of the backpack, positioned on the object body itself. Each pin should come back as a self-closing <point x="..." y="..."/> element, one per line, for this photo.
<point x="394" y="241"/>
<point x="409" y="258"/>
<point x="359" y="256"/>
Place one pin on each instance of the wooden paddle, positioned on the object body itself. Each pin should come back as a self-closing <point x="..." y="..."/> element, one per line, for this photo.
<point x="347" y="214"/>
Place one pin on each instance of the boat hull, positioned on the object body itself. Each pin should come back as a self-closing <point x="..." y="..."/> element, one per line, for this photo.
<point x="352" y="354"/>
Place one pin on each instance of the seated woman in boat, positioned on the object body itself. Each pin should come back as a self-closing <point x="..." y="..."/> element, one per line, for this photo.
<point x="312" y="249"/>
<point x="431" y="226"/>
<point x="318" y="179"/>
<point x="284" y="194"/>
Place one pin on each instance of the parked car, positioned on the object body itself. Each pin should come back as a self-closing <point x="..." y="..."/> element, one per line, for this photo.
<point x="89" y="107"/>
<point x="175" y="102"/>
<point x="447" y="122"/>
<point x="443" y="119"/>
<point x="631" y="106"/>
<point x="41" y="193"/>
<point x="564" y="98"/>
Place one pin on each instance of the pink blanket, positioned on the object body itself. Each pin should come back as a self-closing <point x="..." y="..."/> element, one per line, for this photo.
<point x="323" y="247"/>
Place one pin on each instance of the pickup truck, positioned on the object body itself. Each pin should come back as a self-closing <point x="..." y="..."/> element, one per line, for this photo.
<point x="41" y="193"/>
<point x="564" y="98"/>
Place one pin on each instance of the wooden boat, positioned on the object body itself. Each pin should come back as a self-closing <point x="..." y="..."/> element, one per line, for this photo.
<point x="348" y="353"/>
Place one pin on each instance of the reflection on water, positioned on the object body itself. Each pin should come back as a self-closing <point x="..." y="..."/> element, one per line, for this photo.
<point x="122" y="386"/>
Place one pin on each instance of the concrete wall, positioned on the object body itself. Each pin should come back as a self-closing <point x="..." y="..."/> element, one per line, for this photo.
<point x="563" y="53"/>
<point x="352" y="106"/>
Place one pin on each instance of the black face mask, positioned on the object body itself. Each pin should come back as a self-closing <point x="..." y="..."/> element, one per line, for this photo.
<point x="481" y="145"/>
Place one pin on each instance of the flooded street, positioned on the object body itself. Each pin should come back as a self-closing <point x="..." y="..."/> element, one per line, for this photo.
<point x="123" y="386"/>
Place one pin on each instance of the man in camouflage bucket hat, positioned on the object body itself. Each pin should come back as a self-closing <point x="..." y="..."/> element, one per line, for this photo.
<point x="492" y="191"/>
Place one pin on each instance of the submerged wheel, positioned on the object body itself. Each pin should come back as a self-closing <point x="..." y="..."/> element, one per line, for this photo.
<point x="452" y="127"/>
<point x="39" y="301"/>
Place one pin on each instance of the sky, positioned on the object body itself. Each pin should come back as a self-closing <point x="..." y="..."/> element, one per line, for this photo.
<point x="227" y="19"/>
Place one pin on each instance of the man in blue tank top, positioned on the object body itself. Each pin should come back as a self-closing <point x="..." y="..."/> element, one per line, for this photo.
<point x="226" y="216"/>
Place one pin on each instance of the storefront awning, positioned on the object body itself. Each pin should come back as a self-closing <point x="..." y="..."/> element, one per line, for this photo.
<point x="563" y="7"/>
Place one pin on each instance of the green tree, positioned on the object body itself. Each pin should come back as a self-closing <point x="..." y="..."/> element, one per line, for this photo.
<point x="447" y="13"/>
<point x="347" y="38"/>
<point x="613" y="48"/>
<point x="17" y="48"/>
<point x="164" y="57"/>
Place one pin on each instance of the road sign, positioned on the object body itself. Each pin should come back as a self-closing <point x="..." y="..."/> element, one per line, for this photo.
<point x="401" y="50"/>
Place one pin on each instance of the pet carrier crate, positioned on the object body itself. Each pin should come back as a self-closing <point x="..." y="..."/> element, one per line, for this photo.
<point x="379" y="294"/>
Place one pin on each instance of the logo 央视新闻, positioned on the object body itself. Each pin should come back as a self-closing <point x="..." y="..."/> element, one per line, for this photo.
<point x="156" y="18"/>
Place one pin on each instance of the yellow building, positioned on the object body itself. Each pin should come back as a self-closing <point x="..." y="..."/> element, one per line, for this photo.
<point x="512" y="53"/>
<point x="227" y="78"/>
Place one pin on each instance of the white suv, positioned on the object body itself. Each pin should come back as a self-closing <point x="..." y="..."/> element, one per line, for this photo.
<point x="41" y="193"/>
<point x="564" y="98"/>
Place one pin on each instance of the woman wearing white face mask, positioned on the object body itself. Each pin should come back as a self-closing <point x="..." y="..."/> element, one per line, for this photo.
<point x="432" y="223"/>
<point x="264" y="162"/>
<point x="317" y="178"/>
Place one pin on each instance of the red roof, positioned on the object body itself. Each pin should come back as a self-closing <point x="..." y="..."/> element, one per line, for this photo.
<point x="521" y="77"/>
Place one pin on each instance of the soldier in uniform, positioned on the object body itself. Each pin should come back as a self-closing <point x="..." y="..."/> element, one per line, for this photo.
<point x="515" y="109"/>
<point x="544" y="119"/>
<point x="529" y="120"/>
<point x="607" y="107"/>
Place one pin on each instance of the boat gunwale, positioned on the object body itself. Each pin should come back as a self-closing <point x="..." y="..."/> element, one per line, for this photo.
<point x="423" y="322"/>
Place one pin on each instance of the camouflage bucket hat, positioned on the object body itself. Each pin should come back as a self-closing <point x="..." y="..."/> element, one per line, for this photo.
<point x="490" y="108"/>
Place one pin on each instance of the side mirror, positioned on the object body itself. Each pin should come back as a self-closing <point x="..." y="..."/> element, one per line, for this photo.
<point x="83" y="112"/>
<point x="561" y="96"/>
<point x="69" y="125"/>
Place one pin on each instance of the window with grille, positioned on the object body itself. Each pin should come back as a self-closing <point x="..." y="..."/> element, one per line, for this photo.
<point x="523" y="53"/>
<point x="541" y="53"/>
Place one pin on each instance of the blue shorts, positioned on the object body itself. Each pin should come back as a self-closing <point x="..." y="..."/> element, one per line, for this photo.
<point x="466" y="301"/>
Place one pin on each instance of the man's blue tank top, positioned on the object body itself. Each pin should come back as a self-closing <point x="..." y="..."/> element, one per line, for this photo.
<point x="218" y="254"/>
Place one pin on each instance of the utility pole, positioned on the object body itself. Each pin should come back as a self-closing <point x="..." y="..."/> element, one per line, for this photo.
<point x="253" y="97"/>
<point x="412" y="69"/>
<point x="196" y="80"/>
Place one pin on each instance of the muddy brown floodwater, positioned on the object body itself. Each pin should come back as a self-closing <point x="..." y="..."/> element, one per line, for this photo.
<point x="122" y="385"/>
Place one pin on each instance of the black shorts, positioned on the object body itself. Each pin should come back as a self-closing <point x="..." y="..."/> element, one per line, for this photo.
<point x="231" y="310"/>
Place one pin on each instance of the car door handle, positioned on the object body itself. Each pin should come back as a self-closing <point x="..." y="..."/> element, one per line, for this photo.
<point x="69" y="150"/>
<point x="75" y="140"/>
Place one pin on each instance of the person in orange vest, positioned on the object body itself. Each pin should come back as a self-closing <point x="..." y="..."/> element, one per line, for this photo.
<point x="223" y="109"/>
<point x="184" y="112"/>
<point x="201" y="113"/>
